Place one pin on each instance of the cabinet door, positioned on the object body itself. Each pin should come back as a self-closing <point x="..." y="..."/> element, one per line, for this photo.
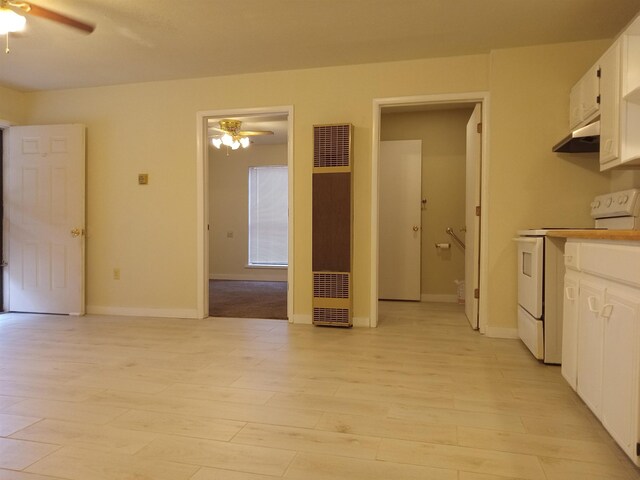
<point x="570" y="328"/>
<point x="590" y="344"/>
<point x="620" y="370"/>
<point x="583" y="98"/>
<point x="610" y="105"/>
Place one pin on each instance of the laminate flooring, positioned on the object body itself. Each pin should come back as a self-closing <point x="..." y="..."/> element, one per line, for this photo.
<point x="420" y="397"/>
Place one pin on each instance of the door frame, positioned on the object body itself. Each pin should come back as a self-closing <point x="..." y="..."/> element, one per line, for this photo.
<point x="202" y="201"/>
<point x="438" y="99"/>
<point x="4" y="126"/>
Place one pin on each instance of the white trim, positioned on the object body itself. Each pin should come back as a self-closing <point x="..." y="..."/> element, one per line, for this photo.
<point x="483" y="304"/>
<point x="444" y="99"/>
<point x="202" y="202"/>
<point x="250" y="277"/>
<point x="4" y="126"/>
<point x="501" y="332"/>
<point x="361" y="322"/>
<point x="265" y="267"/>
<point x="438" y="297"/>
<point x="301" y="319"/>
<point x="143" y="312"/>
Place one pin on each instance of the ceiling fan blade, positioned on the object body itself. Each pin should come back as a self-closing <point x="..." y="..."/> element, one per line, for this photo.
<point x="251" y="133"/>
<point x="42" y="12"/>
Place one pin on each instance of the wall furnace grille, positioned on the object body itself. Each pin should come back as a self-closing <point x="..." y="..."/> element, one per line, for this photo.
<point x="331" y="145"/>
<point x="332" y="228"/>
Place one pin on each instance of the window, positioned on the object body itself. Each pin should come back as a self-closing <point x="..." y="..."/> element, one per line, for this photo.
<point x="268" y="207"/>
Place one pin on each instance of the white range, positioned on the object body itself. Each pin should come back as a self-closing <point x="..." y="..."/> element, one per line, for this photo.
<point x="541" y="272"/>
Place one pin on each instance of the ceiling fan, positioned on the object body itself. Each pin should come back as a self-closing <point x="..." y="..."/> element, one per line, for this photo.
<point x="11" y="19"/>
<point x="231" y="135"/>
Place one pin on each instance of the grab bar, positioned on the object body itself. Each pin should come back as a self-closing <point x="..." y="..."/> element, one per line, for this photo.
<point x="455" y="237"/>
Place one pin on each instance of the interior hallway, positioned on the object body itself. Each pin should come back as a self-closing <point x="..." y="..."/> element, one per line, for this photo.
<point x="421" y="397"/>
<point x="248" y="299"/>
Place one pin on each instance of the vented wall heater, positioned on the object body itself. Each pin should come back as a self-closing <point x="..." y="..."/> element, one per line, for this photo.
<point x="332" y="226"/>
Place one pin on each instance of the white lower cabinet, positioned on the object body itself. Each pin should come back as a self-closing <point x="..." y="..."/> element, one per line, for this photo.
<point x="570" y="328"/>
<point x="590" y="345"/>
<point x="620" y="367"/>
<point x="601" y="337"/>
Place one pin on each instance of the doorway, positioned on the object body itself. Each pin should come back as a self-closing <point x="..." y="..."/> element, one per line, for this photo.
<point x="437" y="121"/>
<point x="246" y="248"/>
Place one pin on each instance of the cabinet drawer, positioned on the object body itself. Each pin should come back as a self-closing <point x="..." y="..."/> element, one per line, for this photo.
<point x="616" y="262"/>
<point x="571" y="251"/>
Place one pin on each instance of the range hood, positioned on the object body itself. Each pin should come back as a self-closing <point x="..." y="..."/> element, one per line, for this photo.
<point x="582" y="140"/>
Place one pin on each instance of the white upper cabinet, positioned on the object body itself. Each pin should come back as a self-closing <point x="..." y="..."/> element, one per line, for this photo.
<point x="610" y="106"/>
<point x="630" y="104"/>
<point x="610" y="91"/>
<point x="583" y="99"/>
<point x="620" y="101"/>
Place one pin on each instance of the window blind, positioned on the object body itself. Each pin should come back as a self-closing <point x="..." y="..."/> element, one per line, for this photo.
<point x="268" y="208"/>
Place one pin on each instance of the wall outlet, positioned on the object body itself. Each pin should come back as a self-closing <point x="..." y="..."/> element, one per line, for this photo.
<point x="116" y="274"/>
<point x="143" y="178"/>
<point x="229" y="234"/>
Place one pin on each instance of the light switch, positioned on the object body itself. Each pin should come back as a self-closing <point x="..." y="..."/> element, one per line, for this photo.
<point x="229" y="234"/>
<point x="143" y="178"/>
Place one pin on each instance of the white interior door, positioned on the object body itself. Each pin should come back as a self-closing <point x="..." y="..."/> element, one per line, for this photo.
<point x="45" y="205"/>
<point x="400" y="164"/>
<point x="472" y="221"/>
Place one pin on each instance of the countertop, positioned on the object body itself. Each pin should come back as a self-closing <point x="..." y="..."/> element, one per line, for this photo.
<point x="629" y="235"/>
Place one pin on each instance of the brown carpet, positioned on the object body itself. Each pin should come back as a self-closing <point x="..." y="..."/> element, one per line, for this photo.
<point x="240" y="299"/>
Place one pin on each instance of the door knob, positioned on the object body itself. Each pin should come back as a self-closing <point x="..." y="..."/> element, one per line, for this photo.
<point x="416" y="228"/>
<point x="76" y="232"/>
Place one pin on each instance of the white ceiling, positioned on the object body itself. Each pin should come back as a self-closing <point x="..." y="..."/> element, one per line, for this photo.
<point x="147" y="40"/>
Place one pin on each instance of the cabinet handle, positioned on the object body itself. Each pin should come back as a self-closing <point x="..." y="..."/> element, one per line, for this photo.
<point x="606" y="311"/>
<point x="591" y="301"/>
<point x="569" y="293"/>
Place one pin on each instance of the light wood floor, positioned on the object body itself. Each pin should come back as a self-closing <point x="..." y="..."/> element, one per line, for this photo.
<point x="421" y="397"/>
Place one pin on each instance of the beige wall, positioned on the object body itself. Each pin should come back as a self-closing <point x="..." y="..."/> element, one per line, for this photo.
<point x="228" y="211"/>
<point x="624" y="179"/>
<point x="150" y="232"/>
<point x="529" y="186"/>
<point x="12" y="105"/>
<point x="443" y="135"/>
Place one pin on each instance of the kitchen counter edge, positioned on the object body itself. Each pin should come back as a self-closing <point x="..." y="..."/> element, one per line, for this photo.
<point x="628" y="235"/>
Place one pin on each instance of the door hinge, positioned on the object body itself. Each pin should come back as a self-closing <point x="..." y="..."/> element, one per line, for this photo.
<point x="476" y="293"/>
<point x="599" y="72"/>
<point x="598" y="99"/>
<point x="638" y="449"/>
<point x="479" y="128"/>
<point x="478" y="211"/>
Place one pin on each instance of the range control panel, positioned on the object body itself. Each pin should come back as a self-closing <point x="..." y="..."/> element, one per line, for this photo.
<point x="625" y="203"/>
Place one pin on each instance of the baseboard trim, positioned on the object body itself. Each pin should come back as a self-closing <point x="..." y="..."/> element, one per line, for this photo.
<point x="361" y="322"/>
<point x="142" y="312"/>
<point x="436" y="297"/>
<point x="248" y="277"/>
<point x="501" y="332"/>
<point x="301" y="319"/>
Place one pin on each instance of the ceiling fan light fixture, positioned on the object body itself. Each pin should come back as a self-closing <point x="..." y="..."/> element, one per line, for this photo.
<point x="244" y="141"/>
<point x="10" y="21"/>
<point x="227" y="140"/>
<point x="235" y="145"/>
<point x="216" y="142"/>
